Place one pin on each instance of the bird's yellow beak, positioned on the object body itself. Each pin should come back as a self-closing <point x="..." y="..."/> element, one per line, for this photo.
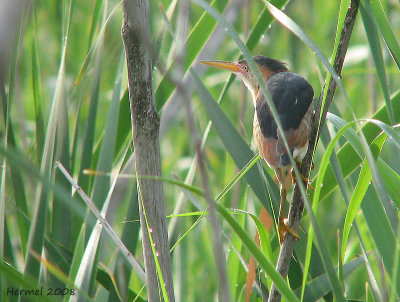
<point x="231" y="66"/>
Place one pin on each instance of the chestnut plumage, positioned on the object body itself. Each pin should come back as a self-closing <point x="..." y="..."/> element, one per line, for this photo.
<point x="292" y="96"/>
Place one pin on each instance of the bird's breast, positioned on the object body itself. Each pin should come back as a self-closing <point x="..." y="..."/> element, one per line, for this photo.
<point x="266" y="146"/>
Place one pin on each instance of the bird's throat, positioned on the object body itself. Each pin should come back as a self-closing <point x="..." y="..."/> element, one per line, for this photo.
<point x="254" y="93"/>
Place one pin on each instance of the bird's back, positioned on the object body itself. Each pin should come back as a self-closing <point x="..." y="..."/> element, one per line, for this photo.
<point x="292" y="96"/>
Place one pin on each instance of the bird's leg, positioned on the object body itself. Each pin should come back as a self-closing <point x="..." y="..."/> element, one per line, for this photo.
<point x="283" y="226"/>
<point x="303" y="177"/>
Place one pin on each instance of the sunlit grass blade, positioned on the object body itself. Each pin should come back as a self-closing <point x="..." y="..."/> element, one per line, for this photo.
<point x="375" y="9"/>
<point x="363" y="183"/>
<point x="365" y="179"/>
<point x="323" y="165"/>
<point x="348" y="158"/>
<point x="376" y="50"/>
<point x="362" y="242"/>
<point x="380" y="229"/>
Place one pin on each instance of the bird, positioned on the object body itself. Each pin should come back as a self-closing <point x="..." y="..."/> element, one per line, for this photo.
<point x="292" y="96"/>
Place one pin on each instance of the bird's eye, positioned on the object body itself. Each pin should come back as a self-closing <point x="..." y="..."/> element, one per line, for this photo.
<point x="245" y="68"/>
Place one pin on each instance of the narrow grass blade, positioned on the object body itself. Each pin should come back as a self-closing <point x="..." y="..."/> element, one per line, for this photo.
<point x="17" y="182"/>
<point x="375" y="45"/>
<point x="38" y="224"/>
<point x="135" y="264"/>
<point x="88" y="142"/>
<point x="95" y="19"/>
<point x="348" y="158"/>
<point x="391" y="180"/>
<point x="319" y="286"/>
<point x="396" y="270"/>
<point x="61" y="226"/>
<point x="16" y="278"/>
<point x="262" y="260"/>
<point x="79" y="249"/>
<point x="380" y="230"/>
<point x="233" y="262"/>
<point x="321" y="173"/>
<point x="375" y="9"/>
<point x="363" y="183"/>
<point x="39" y="123"/>
<point x="130" y="238"/>
<point x="101" y="183"/>
<point x="96" y="44"/>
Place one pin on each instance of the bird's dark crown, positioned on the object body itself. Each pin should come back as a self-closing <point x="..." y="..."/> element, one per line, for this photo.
<point x="272" y="64"/>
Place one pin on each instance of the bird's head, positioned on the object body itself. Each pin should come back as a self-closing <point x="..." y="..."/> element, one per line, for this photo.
<point x="267" y="67"/>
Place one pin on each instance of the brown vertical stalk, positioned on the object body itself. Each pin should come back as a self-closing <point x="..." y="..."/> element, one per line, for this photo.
<point x="297" y="204"/>
<point x="145" y="127"/>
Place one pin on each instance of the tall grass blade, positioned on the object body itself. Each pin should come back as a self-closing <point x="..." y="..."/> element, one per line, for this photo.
<point x="319" y="287"/>
<point x="363" y="183"/>
<point x="376" y="50"/>
<point x="39" y="220"/>
<point x="376" y="12"/>
<point x="348" y="158"/>
<point x="262" y="260"/>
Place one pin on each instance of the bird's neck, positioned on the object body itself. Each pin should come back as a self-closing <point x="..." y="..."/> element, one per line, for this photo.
<point x="254" y="94"/>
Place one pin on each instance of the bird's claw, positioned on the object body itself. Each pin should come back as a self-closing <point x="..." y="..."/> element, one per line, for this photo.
<point x="284" y="228"/>
<point x="304" y="178"/>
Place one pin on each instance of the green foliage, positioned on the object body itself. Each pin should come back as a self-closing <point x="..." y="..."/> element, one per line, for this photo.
<point x="65" y="100"/>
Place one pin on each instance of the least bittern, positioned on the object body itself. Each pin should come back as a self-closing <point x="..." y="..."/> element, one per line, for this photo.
<point x="292" y="96"/>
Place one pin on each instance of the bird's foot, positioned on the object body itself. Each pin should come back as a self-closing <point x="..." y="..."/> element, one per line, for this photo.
<point x="284" y="228"/>
<point x="304" y="178"/>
